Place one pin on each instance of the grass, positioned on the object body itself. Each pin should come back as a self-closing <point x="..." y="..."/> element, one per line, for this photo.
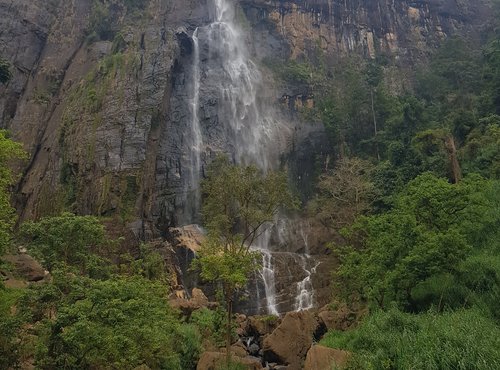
<point x="463" y="339"/>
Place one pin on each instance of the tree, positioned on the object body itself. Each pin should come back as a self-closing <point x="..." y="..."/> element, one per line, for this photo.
<point x="70" y="239"/>
<point x="239" y="202"/>
<point x="429" y="232"/>
<point x="9" y="150"/>
<point x="344" y="193"/>
<point x="123" y="322"/>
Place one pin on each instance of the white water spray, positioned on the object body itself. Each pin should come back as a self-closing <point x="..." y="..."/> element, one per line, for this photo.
<point x="195" y="141"/>
<point x="305" y="294"/>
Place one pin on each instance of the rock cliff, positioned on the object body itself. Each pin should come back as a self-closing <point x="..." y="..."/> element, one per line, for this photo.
<point x="97" y="95"/>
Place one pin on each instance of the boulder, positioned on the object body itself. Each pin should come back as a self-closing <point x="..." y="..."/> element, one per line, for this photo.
<point x="324" y="358"/>
<point x="254" y="349"/>
<point x="26" y="267"/>
<point x="189" y="236"/>
<point x="212" y="360"/>
<point x="239" y="350"/>
<point x="241" y="325"/>
<point x="199" y="297"/>
<point x="340" y="319"/>
<point x="289" y="342"/>
<point x="187" y="306"/>
<point x="262" y="325"/>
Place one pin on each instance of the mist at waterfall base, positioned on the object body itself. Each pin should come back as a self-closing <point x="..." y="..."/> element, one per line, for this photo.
<point x="253" y="134"/>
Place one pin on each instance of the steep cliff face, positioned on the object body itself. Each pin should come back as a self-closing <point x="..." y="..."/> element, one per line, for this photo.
<point x="397" y="28"/>
<point x="100" y="90"/>
<point x="91" y="111"/>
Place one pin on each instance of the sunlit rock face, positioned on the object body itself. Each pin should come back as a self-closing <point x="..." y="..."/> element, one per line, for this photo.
<point x="399" y="28"/>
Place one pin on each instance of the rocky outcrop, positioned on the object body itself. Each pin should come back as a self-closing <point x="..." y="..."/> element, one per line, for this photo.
<point x="291" y="340"/>
<point x="341" y="318"/>
<point x="324" y="358"/>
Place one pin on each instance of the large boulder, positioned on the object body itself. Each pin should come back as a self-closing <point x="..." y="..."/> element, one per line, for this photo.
<point x="213" y="360"/>
<point x="26" y="267"/>
<point x="324" y="358"/>
<point x="189" y="236"/>
<point x="289" y="342"/>
<point x="262" y="325"/>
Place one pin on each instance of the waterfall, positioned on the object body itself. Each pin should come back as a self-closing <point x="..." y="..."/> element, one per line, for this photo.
<point x="269" y="281"/>
<point x="305" y="294"/>
<point x="235" y="117"/>
<point x="254" y="131"/>
<point x="195" y="141"/>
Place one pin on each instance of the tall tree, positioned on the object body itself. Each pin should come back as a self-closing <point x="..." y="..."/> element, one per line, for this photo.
<point x="239" y="203"/>
<point x="344" y="193"/>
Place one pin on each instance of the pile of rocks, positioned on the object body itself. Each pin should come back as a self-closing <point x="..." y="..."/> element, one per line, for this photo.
<point x="287" y="343"/>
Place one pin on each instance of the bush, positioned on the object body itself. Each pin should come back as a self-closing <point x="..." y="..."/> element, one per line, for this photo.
<point x="67" y="239"/>
<point x="211" y="324"/>
<point x="116" y="323"/>
<point x="8" y="327"/>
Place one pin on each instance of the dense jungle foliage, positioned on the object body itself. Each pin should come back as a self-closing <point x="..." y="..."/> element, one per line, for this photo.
<point x="420" y="192"/>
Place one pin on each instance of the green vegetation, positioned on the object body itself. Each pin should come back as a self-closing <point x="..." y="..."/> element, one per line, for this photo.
<point x="120" y="322"/>
<point x="94" y="314"/>
<point x="106" y="15"/>
<point x="415" y="196"/>
<point x="9" y="150"/>
<point x="5" y="72"/>
<point x="66" y="239"/>
<point x="432" y="229"/>
<point x="238" y="204"/>
<point x="462" y="339"/>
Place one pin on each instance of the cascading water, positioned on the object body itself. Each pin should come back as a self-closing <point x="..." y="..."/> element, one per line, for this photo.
<point x="254" y="132"/>
<point x="269" y="281"/>
<point x="227" y="85"/>
<point x="195" y="140"/>
<point x="305" y="293"/>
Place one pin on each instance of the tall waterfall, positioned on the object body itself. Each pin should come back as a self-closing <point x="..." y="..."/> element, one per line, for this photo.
<point x="195" y="140"/>
<point x="254" y="132"/>
<point x="227" y="81"/>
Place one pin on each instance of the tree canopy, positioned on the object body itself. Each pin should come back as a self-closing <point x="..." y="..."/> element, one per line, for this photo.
<point x="238" y="204"/>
